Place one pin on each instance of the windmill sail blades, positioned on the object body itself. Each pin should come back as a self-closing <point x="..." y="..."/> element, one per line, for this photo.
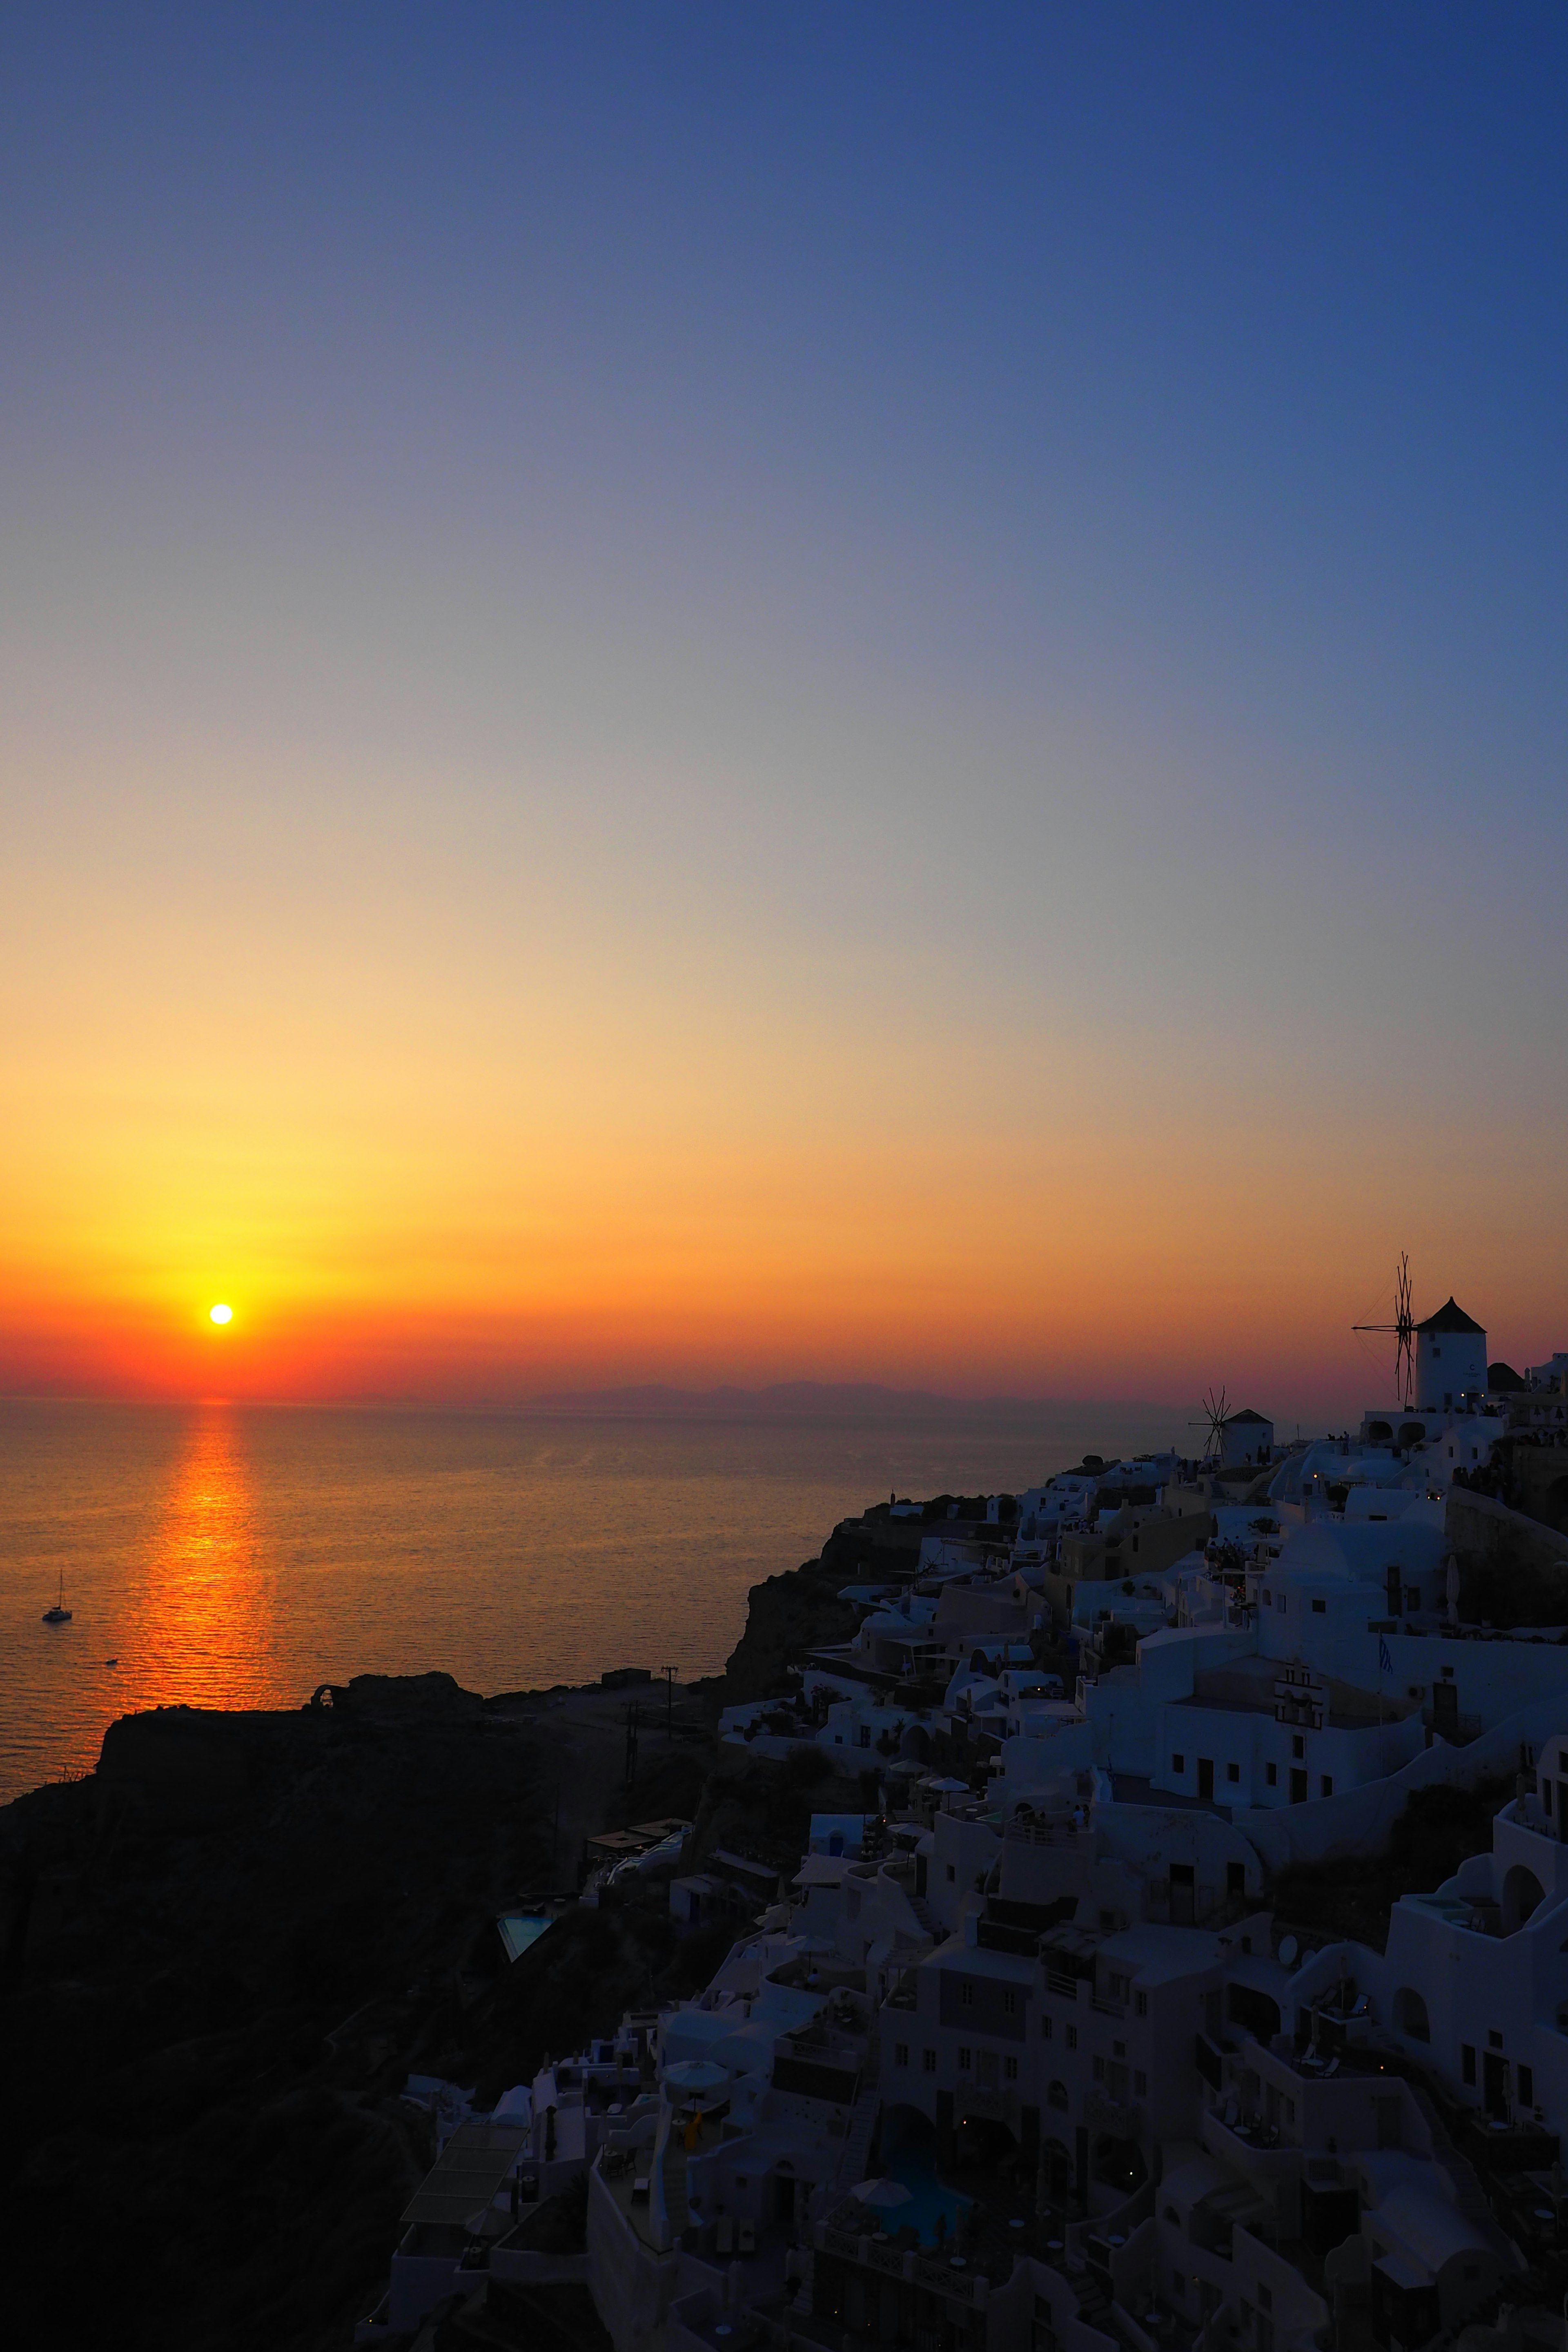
<point x="1402" y="1329"/>
<point x="1215" y="1413"/>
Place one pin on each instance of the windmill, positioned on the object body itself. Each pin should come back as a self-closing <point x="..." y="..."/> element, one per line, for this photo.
<point x="1215" y="1411"/>
<point x="1404" y="1328"/>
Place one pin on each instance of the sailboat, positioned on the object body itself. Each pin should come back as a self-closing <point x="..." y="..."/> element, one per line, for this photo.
<point x="59" y="1614"/>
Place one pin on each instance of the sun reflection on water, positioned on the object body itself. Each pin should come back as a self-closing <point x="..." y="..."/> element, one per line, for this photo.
<point x="204" y="1623"/>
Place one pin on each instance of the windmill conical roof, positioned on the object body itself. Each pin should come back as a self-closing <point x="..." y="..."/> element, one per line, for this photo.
<point x="1451" y="1317"/>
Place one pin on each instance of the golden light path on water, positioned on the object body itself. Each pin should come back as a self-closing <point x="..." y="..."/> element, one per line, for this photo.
<point x="205" y="1612"/>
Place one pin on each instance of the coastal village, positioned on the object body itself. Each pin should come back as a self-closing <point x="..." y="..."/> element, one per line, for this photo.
<point x="1100" y="2007"/>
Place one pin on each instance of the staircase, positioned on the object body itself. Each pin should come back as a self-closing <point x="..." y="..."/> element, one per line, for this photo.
<point x="927" y="1918"/>
<point x="1468" y="2194"/>
<point x="1093" y="2301"/>
<point x="672" y="2181"/>
<point x="855" y="2153"/>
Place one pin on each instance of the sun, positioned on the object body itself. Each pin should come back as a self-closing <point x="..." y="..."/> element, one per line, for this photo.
<point x="221" y="1314"/>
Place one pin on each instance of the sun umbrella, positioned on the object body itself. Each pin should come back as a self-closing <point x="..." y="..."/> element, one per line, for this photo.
<point x="695" y="2074"/>
<point x="881" y="2195"/>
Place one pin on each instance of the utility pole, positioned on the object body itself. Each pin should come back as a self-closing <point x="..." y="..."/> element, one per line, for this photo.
<point x="669" y="1674"/>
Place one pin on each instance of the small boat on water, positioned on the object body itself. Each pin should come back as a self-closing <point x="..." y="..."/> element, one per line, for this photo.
<point x="59" y="1614"/>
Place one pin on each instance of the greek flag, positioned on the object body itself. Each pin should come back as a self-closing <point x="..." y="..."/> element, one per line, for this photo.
<point x="1385" y="1661"/>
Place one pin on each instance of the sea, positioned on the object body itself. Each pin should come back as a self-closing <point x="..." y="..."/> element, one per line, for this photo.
<point x="228" y="1556"/>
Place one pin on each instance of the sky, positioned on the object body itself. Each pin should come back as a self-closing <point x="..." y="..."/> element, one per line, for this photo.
<point x="699" y="693"/>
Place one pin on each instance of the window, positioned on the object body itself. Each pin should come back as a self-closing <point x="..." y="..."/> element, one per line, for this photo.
<point x="1119" y="2049"/>
<point x="1045" y="2029"/>
<point x="1297" y="1744"/>
<point x="966" y="1995"/>
<point x="1546" y="1796"/>
<point x="1319" y="1608"/>
<point x="1140" y="2004"/>
<point x="1281" y="1599"/>
<point x="965" y="2058"/>
<point x="865" y="1735"/>
<point x="1526" y="2087"/>
<point x="1010" y="2069"/>
<point x="1267" y="1598"/>
<point x="952" y="1872"/>
<point x="1271" y="1775"/>
<point x="1099" y="2070"/>
<point x="1494" y="2039"/>
<point x="901" y="2054"/>
<point x="1265" y="2298"/>
<point x="1289" y="2111"/>
<point x="1178" y="1763"/>
<point x="1009" y="2004"/>
<point x="1233" y="1771"/>
<point x="927" y="2062"/>
<point x="1119" y="1986"/>
<point x="1140" y="2086"/>
<point x="1057" y="2096"/>
<point x="1326" y="1783"/>
<point x="1072" y="2037"/>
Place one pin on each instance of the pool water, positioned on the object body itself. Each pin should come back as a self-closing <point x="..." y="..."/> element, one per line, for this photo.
<point x="909" y="2157"/>
<point x="518" y="1929"/>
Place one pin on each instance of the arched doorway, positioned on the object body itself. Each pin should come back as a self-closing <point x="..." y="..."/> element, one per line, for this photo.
<point x="1522" y="1894"/>
<point x="1119" y="2164"/>
<point x="1410" y="2014"/>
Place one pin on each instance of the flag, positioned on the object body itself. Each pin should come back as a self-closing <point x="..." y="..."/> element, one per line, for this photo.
<point x="1385" y="1661"/>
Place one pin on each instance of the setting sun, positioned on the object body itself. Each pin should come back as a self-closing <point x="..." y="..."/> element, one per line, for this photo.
<point x="222" y="1314"/>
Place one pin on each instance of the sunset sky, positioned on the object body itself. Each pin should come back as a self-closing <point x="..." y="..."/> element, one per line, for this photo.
<point x="767" y="692"/>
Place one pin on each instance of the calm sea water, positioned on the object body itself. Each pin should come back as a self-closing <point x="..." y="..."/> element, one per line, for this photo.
<point x="238" y="1557"/>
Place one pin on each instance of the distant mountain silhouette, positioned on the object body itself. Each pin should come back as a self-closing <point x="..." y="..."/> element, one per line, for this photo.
<point x="842" y="1400"/>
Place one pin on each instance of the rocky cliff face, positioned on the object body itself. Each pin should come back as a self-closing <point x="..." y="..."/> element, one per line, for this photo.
<point x="791" y="1614"/>
<point x="222" y="1954"/>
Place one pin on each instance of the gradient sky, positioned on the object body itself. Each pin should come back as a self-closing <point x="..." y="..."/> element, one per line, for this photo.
<point x="751" y="692"/>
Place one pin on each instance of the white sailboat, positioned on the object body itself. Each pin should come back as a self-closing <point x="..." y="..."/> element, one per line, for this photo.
<point x="59" y="1614"/>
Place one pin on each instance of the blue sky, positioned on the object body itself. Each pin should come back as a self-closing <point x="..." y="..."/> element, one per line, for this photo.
<point x="1005" y="554"/>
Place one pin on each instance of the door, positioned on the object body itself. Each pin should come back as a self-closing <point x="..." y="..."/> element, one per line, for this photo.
<point x="1205" y="1777"/>
<point x="1494" y="2084"/>
<point x="1298" y="1786"/>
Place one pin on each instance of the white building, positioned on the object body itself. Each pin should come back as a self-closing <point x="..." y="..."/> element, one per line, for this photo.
<point x="1450" y="1360"/>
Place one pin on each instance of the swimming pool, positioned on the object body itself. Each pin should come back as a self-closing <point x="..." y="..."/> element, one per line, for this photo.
<point x="518" y="1929"/>
<point x="909" y="2157"/>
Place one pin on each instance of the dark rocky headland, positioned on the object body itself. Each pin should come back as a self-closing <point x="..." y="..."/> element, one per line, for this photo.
<point x="223" y="1953"/>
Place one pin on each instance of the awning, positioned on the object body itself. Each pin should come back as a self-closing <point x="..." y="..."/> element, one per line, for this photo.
<point x="466" y="2174"/>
